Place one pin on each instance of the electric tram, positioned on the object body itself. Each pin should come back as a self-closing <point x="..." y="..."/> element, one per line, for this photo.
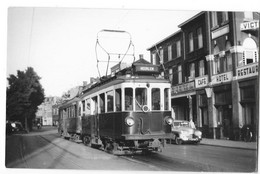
<point x="125" y="112"/>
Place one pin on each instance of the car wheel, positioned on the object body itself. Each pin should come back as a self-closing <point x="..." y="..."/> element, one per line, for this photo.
<point x="178" y="141"/>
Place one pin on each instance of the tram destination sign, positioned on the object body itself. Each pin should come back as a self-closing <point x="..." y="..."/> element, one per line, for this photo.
<point x="153" y="69"/>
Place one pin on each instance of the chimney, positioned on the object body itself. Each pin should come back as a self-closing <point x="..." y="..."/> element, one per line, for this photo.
<point x="141" y="56"/>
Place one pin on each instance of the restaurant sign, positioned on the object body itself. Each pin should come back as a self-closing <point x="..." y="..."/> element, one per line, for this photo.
<point x="221" y="78"/>
<point x="183" y="87"/>
<point x="247" y="71"/>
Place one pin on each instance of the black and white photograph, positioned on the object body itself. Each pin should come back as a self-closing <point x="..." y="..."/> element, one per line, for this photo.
<point x="122" y="88"/>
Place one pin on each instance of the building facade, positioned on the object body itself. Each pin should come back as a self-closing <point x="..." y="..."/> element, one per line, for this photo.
<point x="212" y="63"/>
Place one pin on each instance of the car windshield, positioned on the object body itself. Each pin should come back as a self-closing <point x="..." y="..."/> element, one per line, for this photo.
<point x="181" y="124"/>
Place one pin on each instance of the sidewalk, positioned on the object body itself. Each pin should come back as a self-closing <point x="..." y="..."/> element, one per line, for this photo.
<point x="230" y="143"/>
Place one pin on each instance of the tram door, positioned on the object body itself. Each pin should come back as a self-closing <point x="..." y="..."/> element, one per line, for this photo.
<point x="94" y="118"/>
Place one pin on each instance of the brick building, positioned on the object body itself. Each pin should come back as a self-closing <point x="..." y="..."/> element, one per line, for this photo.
<point x="212" y="65"/>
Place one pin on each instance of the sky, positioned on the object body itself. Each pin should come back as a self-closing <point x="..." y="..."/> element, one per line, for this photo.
<point x="59" y="43"/>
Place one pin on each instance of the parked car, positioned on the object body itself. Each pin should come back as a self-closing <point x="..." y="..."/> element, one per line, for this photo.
<point x="183" y="132"/>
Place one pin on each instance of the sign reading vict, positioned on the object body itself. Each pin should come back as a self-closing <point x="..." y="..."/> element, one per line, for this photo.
<point x="221" y="78"/>
<point x="252" y="25"/>
<point x="247" y="71"/>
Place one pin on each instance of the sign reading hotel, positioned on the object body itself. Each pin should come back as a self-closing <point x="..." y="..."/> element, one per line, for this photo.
<point x="201" y="81"/>
<point x="183" y="87"/>
<point x="221" y="78"/>
<point x="252" y="25"/>
<point x="247" y="71"/>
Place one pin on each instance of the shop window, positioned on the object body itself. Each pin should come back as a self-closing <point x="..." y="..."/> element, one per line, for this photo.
<point x="110" y="101"/>
<point x="156" y="99"/>
<point x="247" y="93"/>
<point x="128" y="99"/>
<point x="140" y="98"/>
<point x="102" y="103"/>
<point x="248" y="113"/>
<point x="169" y="52"/>
<point x="178" y="48"/>
<point x="223" y="97"/>
<point x="118" y="99"/>
<point x="191" y="46"/>
<point x="166" y="99"/>
<point x="200" y="38"/>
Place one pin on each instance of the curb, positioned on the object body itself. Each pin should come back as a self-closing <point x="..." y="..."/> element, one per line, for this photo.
<point x="233" y="147"/>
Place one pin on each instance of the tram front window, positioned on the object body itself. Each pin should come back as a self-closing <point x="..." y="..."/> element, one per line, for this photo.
<point x="156" y="99"/>
<point x="140" y="98"/>
<point x="128" y="99"/>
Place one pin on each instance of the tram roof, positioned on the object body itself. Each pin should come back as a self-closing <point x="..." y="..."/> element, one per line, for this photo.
<point x="69" y="102"/>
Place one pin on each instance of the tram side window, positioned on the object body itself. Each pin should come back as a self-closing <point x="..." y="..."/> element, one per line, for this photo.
<point x="156" y="99"/>
<point x="118" y="99"/>
<point x="110" y="101"/>
<point x="140" y="98"/>
<point x="88" y="106"/>
<point x="166" y="99"/>
<point x="102" y="103"/>
<point x="128" y="99"/>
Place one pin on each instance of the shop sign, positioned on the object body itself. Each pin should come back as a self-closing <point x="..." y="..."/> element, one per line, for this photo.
<point x="220" y="32"/>
<point x="183" y="87"/>
<point x="252" y="25"/>
<point x="247" y="71"/>
<point x="221" y="78"/>
<point x="201" y="81"/>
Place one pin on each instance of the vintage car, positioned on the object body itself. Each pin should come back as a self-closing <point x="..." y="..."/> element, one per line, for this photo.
<point x="183" y="132"/>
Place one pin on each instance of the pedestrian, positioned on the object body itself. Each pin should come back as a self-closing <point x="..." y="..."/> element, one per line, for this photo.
<point x="191" y="124"/>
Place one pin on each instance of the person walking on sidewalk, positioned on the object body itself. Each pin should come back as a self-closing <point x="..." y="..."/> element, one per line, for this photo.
<point x="191" y="124"/>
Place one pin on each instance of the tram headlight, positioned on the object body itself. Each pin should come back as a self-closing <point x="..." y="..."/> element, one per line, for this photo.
<point x="129" y="121"/>
<point x="169" y="120"/>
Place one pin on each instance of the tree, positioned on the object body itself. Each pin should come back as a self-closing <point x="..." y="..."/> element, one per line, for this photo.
<point x="24" y="95"/>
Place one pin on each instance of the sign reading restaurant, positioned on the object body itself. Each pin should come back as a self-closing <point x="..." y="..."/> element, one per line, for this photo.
<point x="221" y="78"/>
<point x="247" y="71"/>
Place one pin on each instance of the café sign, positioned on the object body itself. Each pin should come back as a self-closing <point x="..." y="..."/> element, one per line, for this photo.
<point x="252" y="25"/>
<point x="221" y="78"/>
<point x="201" y="81"/>
<point x="247" y="71"/>
<point x="183" y="87"/>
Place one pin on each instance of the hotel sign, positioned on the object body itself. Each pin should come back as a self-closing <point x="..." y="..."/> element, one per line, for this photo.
<point x="221" y="78"/>
<point x="247" y="71"/>
<point x="201" y="81"/>
<point x="252" y="25"/>
<point x="183" y="87"/>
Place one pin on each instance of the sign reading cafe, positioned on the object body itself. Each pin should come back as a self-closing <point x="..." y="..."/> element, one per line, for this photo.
<point x="247" y="71"/>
